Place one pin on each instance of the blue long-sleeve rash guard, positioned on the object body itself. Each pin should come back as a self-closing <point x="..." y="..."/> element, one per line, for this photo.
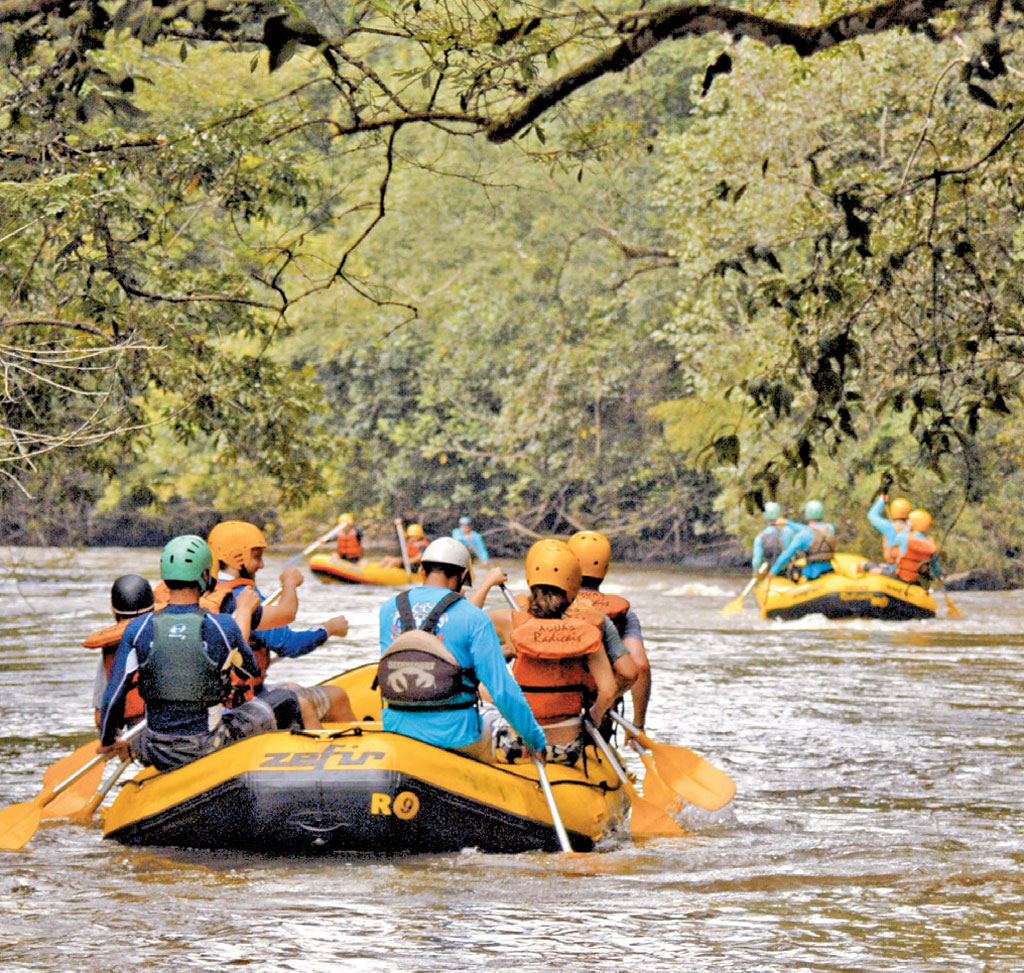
<point x="287" y="642"/>
<point x="802" y="540"/>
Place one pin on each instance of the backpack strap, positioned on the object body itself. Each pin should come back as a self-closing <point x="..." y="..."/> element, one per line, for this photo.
<point x="438" y="610"/>
<point x="405" y="612"/>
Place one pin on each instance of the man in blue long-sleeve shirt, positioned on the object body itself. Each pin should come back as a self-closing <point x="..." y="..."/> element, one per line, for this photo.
<point x="181" y="657"/>
<point x="816" y="539"/>
<point x="468" y="634"/>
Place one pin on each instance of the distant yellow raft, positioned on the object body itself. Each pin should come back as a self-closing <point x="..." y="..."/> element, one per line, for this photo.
<point x="330" y="567"/>
<point x="353" y="787"/>
<point x="844" y="593"/>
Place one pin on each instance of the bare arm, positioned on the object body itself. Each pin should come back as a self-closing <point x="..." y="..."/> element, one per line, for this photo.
<point x="287" y="607"/>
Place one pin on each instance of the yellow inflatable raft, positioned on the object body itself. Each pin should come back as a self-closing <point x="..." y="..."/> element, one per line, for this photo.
<point x="330" y="567"/>
<point x="354" y="787"/>
<point x="845" y="593"/>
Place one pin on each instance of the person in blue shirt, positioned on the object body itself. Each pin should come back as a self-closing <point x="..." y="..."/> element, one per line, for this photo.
<point x="473" y="541"/>
<point x="238" y="549"/>
<point x="816" y="540"/>
<point x="182" y="656"/>
<point x="916" y="558"/>
<point x="773" y="540"/>
<point x="889" y="527"/>
<point x="454" y="721"/>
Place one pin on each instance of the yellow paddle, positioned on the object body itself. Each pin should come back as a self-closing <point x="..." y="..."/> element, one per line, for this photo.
<point x="736" y="605"/>
<point x="655" y="788"/>
<point x="86" y="813"/>
<point x="18" y="822"/>
<point x="687" y="773"/>
<point x="77" y="796"/>
<point x="951" y="610"/>
<point x="644" y="817"/>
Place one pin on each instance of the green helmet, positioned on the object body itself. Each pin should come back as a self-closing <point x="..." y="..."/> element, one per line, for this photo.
<point x="813" y="510"/>
<point x="772" y="511"/>
<point x="186" y="558"/>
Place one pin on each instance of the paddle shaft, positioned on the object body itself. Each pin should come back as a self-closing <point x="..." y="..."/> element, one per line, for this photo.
<point x="545" y="786"/>
<point x="323" y="539"/>
<point x="401" y="545"/>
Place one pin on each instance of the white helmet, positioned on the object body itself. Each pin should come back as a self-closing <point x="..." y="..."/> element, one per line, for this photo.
<point x="448" y="551"/>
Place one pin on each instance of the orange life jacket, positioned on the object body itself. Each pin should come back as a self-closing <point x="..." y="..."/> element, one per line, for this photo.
<point x="349" y="546"/>
<point x="611" y="605"/>
<point x="891" y="552"/>
<point x="919" y="551"/>
<point x="551" y="663"/>
<point x="242" y="690"/>
<point x="414" y="549"/>
<point x="108" y="640"/>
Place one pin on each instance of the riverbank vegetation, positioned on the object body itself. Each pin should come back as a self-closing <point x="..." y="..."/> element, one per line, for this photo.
<point x="276" y="261"/>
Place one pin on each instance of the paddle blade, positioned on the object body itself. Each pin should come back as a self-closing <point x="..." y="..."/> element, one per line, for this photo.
<point x="66" y="766"/>
<point x="68" y="803"/>
<point x="951" y="610"/>
<point x="20" y="821"/>
<point x="734" y="607"/>
<point x="693" y="777"/>
<point x="656" y="790"/>
<point x="648" y="818"/>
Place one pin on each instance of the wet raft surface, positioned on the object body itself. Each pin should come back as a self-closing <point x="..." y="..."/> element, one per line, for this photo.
<point x="877" y="824"/>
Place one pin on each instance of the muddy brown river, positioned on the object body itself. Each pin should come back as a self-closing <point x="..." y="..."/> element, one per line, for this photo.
<point x="878" y="824"/>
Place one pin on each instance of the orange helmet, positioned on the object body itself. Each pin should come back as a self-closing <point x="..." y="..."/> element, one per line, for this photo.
<point x="415" y="531"/>
<point x="594" y="552"/>
<point x="552" y="562"/>
<point x="920" y="520"/>
<point x="233" y="541"/>
<point x="899" y="508"/>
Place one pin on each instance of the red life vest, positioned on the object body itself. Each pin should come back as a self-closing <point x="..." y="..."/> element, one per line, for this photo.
<point x="920" y="551"/>
<point x="350" y="547"/>
<point x="242" y="690"/>
<point x="414" y="549"/>
<point x="891" y="552"/>
<point x="108" y="640"/>
<point x="551" y="663"/>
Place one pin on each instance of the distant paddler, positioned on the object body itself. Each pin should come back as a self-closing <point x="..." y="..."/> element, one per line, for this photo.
<point x="917" y="554"/>
<point x="771" y="541"/>
<point x="349" y="542"/>
<point x="891" y="526"/>
<point x="415" y="544"/>
<point x="472" y="539"/>
<point x="815" y="540"/>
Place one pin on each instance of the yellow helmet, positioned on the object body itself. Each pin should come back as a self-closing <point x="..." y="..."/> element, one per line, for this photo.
<point x="233" y="541"/>
<point x="920" y="520"/>
<point x="899" y="508"/>
<point x="346" y="520"/>
<point x="552" y="562"/>
<point x="594" y="552"/>
<point x="415" y="531"/>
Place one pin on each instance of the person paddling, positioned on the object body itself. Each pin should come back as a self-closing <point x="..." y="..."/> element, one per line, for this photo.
<point x="465" y="534"/>
<point x="130" y="596"/>
<point x="772" y="541"/>
<point x="238" y="548"/>
<point x="594" y="552"/>
<point x="816" y="539"/>
<point x="560" y="661"/>
<point x="432" y="629"/>
<point x="415" y="545"/>
<point x="349" y="543"/>
<point x="891" y="526"/>
<point x="917" y="554"/>
<point x="183" y="655"/>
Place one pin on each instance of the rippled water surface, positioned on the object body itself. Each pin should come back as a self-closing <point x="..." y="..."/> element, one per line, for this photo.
<point x="877" y="826"/>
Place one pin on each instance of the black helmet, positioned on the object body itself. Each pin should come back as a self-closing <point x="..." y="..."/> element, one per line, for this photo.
<point x="131" y="595"/>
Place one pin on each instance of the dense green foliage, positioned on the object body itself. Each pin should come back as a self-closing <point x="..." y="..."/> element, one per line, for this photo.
<point x="332" y="284"/>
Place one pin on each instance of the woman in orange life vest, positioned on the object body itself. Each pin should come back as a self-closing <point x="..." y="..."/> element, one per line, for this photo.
<point x="415" y="545"/>
<point x="238" y="548"/>
<point x="917" y="560"/>
<point x="560" y="662"/>
<point x="130" y="596"/>
<point x="595" y="555"/>
<point x="350" y="539"/>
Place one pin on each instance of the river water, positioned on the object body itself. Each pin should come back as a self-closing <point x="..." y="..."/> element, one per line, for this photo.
<point x="877" y="825"/>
